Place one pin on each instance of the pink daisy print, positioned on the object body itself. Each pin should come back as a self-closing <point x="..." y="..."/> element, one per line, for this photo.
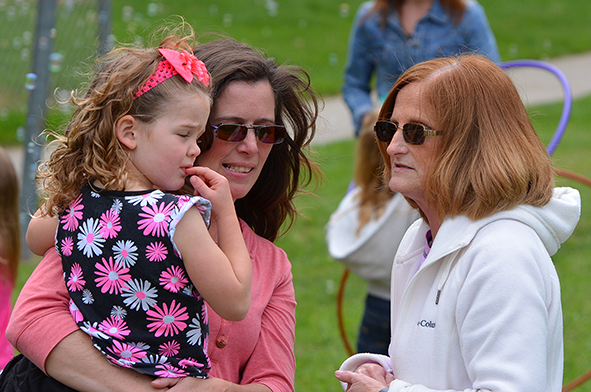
<point x="169" y="371"/>
<point x="92" y="330"/>
<point x="67" y="246"/>
<point x="125" y="253"/>
<point x="145" y="199"/>
<point x="109" y="225"/>
<point x="156" y="251"/>
<point x="156" y="219"/>
<point x="167" y="321"/>
<point x="194" y="335"/>
<point x="173" y="279"/>
<point x="112" y="276"/>
<point x="73" y="214"/>
<point x="138" y="294"/>
<point x="186" y="362"/>
<point x="75" y="312"/>
<point x="127" y="354"/>
<point x="90" y="240"/>
<point x="182" y="200"/>
<point x="115" y="327"/>
<point x="76" y="280"/>
<point x="169" y="349"/>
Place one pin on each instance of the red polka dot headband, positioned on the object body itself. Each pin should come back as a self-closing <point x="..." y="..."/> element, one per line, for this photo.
<point x="176" y="63"/>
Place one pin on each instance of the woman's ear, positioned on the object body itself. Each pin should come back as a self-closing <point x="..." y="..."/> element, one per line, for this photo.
<point x="127" y="128"/>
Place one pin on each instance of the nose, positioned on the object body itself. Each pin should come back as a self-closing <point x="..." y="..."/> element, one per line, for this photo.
<point x="194" y="150"/>
<point x="397" y="144"/>
<point x="250" y="143"/>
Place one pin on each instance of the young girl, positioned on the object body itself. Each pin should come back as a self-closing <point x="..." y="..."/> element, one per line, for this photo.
<point x="139" y="262"/>
<point x="9" y="247"/>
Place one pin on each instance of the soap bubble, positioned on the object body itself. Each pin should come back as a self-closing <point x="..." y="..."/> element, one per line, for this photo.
<point x="127" y="13"/>
<point x="272" y="8"/>
<point x="344" y="10"/>
<point x="333" y="59"/>
<point x="227" y="20"/>
<point x="55" y="62"/>
<point x="27" y="38"/>
<point x="213" y="9"/>
<point x="153" y="9"/>
<point x="25" y="52"/>
<point x="30" y="81"/>
<point x="302" y="24"/>
<point x="20" y="133"/>
<point x="513" y="50"/>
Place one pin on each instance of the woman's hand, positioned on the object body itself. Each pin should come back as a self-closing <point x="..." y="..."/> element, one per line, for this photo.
<point x="369" y="377"/>
<point x="212" y="384"/>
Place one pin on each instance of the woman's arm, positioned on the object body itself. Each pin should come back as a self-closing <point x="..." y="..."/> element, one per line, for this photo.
<point x="42" y="328"/>
<point x="41" y="317"/>
<point x="358" y="71"/>
<point x="480" y="35"/>
<point x="97" y="375"/>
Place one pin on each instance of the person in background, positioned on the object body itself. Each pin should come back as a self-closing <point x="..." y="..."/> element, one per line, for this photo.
<point x="475" y="296"/>
<point x="389" y="36"/>
<point x="363" y="234"/>
<point x="249" y="90"/>
<point x="10" y="248"/>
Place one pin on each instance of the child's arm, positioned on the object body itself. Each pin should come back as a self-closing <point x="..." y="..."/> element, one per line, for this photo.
<point x="220" y="272"/>
<point x="41" y="233"/>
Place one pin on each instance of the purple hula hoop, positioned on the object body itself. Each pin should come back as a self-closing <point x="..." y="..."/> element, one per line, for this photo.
<point x="568" y="96"/>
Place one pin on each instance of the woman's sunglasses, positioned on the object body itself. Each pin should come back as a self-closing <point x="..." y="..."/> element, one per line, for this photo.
<point x="413" y="133"/>
<point x="234" y="133"/>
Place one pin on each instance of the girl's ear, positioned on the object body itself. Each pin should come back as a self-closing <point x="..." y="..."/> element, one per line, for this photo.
<point x="126" y="128"/>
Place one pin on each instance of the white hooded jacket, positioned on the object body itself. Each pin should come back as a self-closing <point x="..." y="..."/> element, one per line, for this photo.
<point x="483" y="312"/>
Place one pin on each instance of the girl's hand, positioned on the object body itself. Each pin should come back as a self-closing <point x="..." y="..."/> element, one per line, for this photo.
<point x="212" y="186"/>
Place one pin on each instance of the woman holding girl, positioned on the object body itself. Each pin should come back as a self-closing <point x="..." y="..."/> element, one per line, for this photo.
<point x="251" y="96"/>
<point x="138" y="261"/>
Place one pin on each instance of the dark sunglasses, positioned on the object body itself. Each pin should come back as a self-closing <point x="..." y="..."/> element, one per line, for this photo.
<point x="234" y="133"/>
<point x="413" y="133"/>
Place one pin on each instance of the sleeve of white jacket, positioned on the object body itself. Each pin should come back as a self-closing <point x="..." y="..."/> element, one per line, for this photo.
<point x="353" y="362"/>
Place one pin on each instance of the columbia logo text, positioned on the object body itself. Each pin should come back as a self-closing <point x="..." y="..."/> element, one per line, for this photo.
<point x="426" y="324"/>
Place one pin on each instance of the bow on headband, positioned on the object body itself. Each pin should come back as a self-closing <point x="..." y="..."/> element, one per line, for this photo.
<point x="176" y="63"/>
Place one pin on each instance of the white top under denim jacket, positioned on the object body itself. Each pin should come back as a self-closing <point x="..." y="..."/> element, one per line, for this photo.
<point x="483" y="312"/>
<point x="370" y="253"/>
<point x="390" y="52"/>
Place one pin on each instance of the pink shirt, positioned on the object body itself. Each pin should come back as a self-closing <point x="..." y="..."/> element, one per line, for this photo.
<point x="258" y="349"/>
<point x="6" y="350"/>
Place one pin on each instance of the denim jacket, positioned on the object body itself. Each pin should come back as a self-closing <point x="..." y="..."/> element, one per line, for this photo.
<point x="390" y="52"/>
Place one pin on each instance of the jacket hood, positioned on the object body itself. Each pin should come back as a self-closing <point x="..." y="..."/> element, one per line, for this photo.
<point x="554" y="223"/>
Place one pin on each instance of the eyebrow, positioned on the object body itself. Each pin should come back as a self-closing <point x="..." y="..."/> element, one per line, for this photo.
<point x="242" y="120"/>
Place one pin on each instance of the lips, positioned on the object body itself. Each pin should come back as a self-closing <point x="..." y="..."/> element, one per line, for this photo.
<point x="402" y="166"/>
<point x="238" y="169"/>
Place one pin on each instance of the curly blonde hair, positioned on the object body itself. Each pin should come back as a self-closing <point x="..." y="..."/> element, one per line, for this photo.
<point x="89" y="150"/>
